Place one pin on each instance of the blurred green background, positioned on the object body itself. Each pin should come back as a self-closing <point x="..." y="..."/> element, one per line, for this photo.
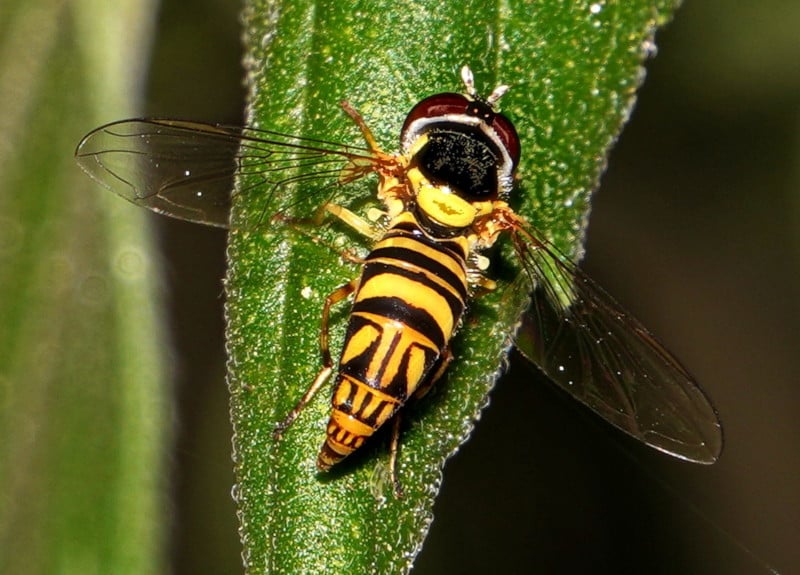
<point x="695" y="228"/>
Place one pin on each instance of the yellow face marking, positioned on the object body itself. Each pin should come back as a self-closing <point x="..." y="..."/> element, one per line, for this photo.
<point x="441" y="205"/>
<point x="439" y="202"/>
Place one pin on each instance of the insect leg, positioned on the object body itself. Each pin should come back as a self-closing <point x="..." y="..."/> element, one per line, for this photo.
<point x="300" y="226"/>
<point x="394" y="447"/>
<point x="362" y="125"/>
<point x="439" y="370"/>
<point x="483" y="286"/>
<point x="353" y="220"/>
<point x="333" y="298"/>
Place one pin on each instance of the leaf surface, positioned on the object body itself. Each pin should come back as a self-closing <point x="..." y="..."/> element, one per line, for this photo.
<point x="573" y="68"/>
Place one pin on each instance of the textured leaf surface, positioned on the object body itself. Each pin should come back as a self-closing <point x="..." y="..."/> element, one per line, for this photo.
<point x="573" y="68"/>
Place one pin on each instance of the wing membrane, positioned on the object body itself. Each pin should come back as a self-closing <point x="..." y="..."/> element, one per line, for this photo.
<point x="600" y="354"/>
<point x="186" y="169"/>
<point x="573" y="330"/>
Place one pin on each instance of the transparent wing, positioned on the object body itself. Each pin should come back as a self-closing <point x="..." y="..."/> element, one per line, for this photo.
<point x="591" y="347"/>
<point x="186" y="169"/>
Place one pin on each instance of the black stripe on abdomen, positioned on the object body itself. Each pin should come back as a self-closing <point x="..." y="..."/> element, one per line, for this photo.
<point x="396" y="309"/>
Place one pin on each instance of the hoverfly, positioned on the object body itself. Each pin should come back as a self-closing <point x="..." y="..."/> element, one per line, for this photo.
<point x="444" y="196"/>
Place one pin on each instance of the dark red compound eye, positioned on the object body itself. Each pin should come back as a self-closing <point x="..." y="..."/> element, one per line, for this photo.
<point x="448" y="103"/>
<point x="507" y="133"/>
<point x="436" y="106"/>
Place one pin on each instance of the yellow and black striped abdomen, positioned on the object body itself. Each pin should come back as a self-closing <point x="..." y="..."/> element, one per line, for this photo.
<point x="409" y="302"/>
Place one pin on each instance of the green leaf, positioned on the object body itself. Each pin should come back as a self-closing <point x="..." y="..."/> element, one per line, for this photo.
<point x="82" y="385"/>
<point x="573" y="68"/>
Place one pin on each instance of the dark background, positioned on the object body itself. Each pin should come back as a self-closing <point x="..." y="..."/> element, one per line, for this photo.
<point x="695" y="229"/>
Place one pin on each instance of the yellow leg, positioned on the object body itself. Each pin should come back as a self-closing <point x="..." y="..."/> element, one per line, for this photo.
<point x="290" y="418"/>
<point x="353" y="220"/>
<point x="333" y="298"/>
<point x="362" y="125"/>
<point x="484" y="286"/>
